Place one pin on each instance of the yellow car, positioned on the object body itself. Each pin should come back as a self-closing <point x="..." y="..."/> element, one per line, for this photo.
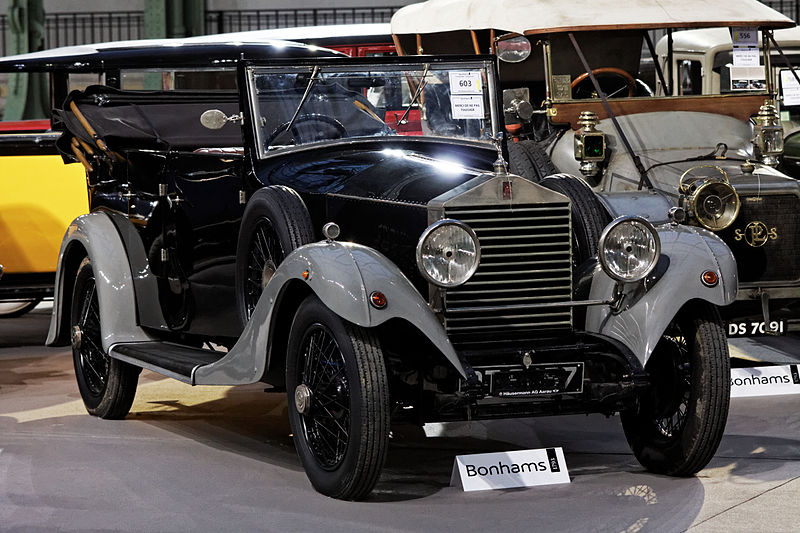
<point x="39" y="197"/>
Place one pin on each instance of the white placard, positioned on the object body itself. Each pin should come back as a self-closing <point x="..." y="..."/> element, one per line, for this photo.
<point x="466" y="106"/>
<point x="747" y="79"/>
<point x="790" y="89"/>
<point x="765" y="381"/>
<point x="745" y="37"/>
<point x="466" y="82"/>
<point x="746" y="57"/>
<point x="505" y="470"/>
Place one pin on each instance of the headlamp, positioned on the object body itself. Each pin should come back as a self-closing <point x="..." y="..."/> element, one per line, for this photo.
<point x="448" y="253"/>
<point x="710" y="200"/>
<point x="629" y="249"/>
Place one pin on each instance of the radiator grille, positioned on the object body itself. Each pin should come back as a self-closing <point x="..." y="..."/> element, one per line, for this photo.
<point x="778" y="260"/>
<point x="526" y="259"/>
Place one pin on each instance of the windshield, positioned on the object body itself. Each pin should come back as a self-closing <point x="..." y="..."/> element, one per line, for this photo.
<point x="625" y="68"/>
<point x="303" y="105"/>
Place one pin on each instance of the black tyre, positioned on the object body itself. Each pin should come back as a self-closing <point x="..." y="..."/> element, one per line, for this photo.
<point x="274" y="223"/>
<point x="529" y="160"/>
<point x="107" y="385"/>
<point x="338" y="397"/>
<point x="589" y="216"/>
<point x="17" y="309"/>
<point x="679" y="424"/>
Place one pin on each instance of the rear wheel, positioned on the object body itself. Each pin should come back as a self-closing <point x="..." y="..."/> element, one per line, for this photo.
<point x="338" y="401"/>
<point x="107" y="385"/>
<point x="680" y="423"/>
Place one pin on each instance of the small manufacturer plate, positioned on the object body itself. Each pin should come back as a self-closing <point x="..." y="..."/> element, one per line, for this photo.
<point x="749" y="328"/>
<point x="536" y="380"/>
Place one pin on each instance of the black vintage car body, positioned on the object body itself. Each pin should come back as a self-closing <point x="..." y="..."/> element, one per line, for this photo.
<point x="346" y="229"/>
<point x="39" y="196"/>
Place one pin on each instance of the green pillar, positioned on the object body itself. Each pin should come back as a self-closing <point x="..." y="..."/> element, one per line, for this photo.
<point x="194" y="17"/>
<point x="174" y="18"/>
<point x="28" y="93"/>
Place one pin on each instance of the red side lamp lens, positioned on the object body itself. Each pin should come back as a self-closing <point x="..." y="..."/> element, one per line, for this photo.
<point x="377" y="299"/>
<point x="710" y="278"/>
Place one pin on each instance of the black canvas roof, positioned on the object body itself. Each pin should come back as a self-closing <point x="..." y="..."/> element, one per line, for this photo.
<point x="155" y="54"/>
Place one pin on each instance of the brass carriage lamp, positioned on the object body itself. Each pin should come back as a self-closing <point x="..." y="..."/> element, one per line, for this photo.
<point x="768" y="135"/>
<point x="590" y="144"/>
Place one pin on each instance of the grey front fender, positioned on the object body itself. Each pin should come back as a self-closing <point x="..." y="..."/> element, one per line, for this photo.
<point x="691" y="251"/>
<point x="95" y="235"/>
<point x="342" y="275"/>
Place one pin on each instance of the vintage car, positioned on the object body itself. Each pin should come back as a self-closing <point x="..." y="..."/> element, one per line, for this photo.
<point x="39" y="195"/>
<point x="701" y="63"/>
<point x="580" y="94"/>
<point x="305" y="231"/>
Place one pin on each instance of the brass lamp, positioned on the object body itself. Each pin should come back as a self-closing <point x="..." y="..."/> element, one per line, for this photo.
<point x="590" y="144"/>
<point x="768" y="135"/>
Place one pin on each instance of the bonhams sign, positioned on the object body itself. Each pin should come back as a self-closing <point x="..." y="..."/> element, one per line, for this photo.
<point x="765" y="381"/>
<point x="503" y="470"/>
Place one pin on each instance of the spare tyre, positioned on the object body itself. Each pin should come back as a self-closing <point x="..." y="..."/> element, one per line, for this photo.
<point x="589" y="215"/>
<point x="529" y="160"/>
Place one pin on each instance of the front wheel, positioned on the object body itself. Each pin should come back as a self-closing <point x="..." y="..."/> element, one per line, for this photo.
<point x="338" y="399"/>
<point x="107" y="385"/>
<point x="680" y="423"/>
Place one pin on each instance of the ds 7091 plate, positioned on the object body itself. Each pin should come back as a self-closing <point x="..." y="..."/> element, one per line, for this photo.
<point x="749" y="328"/>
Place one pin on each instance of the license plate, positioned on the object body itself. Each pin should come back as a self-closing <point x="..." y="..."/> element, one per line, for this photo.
<point x="756" y="329"/>
<point x="538" y="379"/>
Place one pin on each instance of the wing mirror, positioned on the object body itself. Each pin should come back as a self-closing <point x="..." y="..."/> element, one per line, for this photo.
<point x="514" y="50"/>
<point x="214" y="119"/>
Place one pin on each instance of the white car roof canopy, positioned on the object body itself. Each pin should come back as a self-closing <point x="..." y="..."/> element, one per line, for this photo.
<point x="547" y="16"/>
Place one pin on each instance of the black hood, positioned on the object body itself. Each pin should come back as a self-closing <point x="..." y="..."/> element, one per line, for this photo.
<point x="412" y="173"/>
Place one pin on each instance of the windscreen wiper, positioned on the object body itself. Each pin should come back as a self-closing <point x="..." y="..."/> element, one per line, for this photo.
<point x="404" y="119"/>
<point x="310" y="85"/>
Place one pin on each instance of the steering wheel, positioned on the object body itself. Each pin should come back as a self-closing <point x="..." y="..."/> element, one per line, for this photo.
<point x="614" y="72"/>
<point x="335" y="129"/>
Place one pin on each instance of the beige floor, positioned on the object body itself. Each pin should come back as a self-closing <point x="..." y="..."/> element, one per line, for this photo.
<point x="221" y="459"/>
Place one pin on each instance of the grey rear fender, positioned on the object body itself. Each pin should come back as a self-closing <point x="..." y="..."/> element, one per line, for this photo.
<point x="644" y="316"/>
<point x="95" y="236"/>
<point x="342" y="275"/>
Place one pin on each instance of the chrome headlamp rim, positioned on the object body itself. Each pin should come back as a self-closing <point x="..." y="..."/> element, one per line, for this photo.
<point x="433" y="227"/>
<point x="602" y="243"/>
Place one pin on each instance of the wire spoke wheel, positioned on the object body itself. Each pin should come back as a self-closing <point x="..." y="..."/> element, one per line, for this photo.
<point x="678" y="424"/>
<point x="338" y="395"/>
<point x="327" y="424"/>
<point x="264" y="255"/>
<point x="94" y="363"/>
<point x="678" y="389"/>
<point x="107" y="385"/>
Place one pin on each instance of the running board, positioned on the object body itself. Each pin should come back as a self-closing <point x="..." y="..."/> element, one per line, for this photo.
<point x="168" y="359"/>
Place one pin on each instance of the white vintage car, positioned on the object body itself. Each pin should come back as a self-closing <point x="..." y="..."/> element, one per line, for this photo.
<point x="584" y="93"/>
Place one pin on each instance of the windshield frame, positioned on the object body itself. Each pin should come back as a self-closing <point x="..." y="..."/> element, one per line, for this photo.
<point x="668" y="69"/>
<point x="248" y="70"/>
